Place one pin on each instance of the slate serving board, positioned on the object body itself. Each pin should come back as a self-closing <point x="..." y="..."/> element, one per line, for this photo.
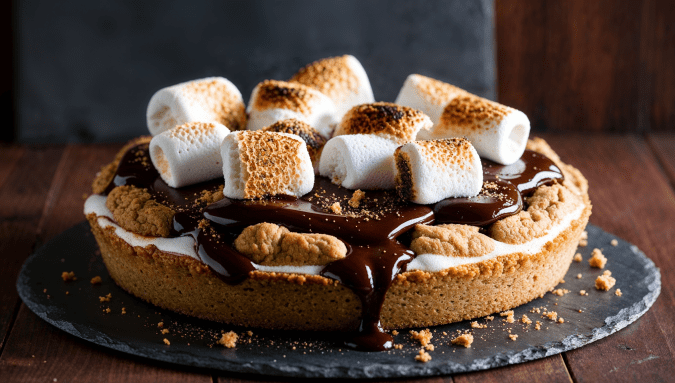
<point x="75" y="308"/>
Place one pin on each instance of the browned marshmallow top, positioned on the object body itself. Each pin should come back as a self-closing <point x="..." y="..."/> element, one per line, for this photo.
<point x="471" y="113"/>
<point x="447" y="151"/>
<point x="284" y="95"/>
<point x="312" y="138"/>
<point x="437" y="92"/>
<point x="215" y="96"/>
<point x="393" y="121"/>
<point x="330" y="76"/>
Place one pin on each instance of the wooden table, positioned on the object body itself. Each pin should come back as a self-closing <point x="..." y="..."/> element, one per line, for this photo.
<point x="632" y="187"/>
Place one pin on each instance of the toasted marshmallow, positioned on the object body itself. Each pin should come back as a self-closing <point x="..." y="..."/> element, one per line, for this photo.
<point x="428" y="95"/>
<point x="273" y="101"/>
<point x="498" y="133"/>
<point x="312" y="138"/>
<point x="395" y="122"/>
<point x="430" y="171"/>
<point x="189" y="153"/>
<point x="260" y="164"/>
<point x="343" y="79"/>
<point x="212" y="99"/>
<point x="359" y="161"/>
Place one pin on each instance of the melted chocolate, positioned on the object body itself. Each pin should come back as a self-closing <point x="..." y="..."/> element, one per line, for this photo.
<point x="372" y="234"/>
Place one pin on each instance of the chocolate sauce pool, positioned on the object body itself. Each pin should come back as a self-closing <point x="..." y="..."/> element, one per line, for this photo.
<point x="374" y="236"/>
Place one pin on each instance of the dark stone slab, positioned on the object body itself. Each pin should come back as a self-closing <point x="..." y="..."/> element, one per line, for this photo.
<point x="88" y="70"/>
<point x="298" y="354"/>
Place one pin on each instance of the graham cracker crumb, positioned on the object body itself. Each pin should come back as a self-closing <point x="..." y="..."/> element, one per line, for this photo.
<point x="525" y="319"/>
<point x="463" y="340"/>
<point x="598" y="259"/>
<point x="394" y="332"/>
<point x="537" y="326"/>
<point x="336" y="208"/>
<point x="160" y="324"/>
<point x="398" y="346"/>
<point x="249" y="333"/>
<point x="165" y="331"/>
<point x="423" y="336"/>
<point x="229" y="339"/>
<point x="551" y="315"/>
<point x="513" y="337"/>
<point x="579" y="276"/>
<point x="105" y="298"/>
<point x="614" y="242"/>
<point x="166" y="342"/>
<point x="68" y="276"/>
<point x="429" y="347"/>
<point x="604" y="282"/>
<point x="583" y="292"/>
<point x="475" y="324"/>
<point x="508" y="315"/>
<point x="96" y="280"/>
<point x="124" y="310"/>
<point x="107" y="310"/>
<point x="272" y="245"/>
<point x="561" y="320"/>
<point x="355" y="201"/>
<point x="489" y="317"/>
<point x="423" y="357"/>
<point x="578" y="257"/>
<point x="560" y="292"/>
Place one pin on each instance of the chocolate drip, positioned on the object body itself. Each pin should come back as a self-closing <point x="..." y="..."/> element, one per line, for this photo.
<point x="372" y="233"/>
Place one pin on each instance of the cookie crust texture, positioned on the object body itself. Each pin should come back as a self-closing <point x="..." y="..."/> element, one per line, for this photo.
<point x="310" y="302"/>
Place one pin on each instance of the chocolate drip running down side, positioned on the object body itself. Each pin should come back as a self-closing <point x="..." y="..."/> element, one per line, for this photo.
<point x="375" y="253"/>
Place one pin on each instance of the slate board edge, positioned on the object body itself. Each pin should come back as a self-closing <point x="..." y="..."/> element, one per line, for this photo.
<point x="613" y="324"/>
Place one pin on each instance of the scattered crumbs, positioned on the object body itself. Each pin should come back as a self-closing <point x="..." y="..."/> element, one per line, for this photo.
<point x="475" y="324"/>
<point x="605" y="281"/>
<point x="229" y="339"/>
<point x="597" y="259"/>
<point x="551" y="315"/>
<point x="166" y="342"/>
<point x="160" y="324"/>
<point x="423" y="357"/>
<point x="537" y="326"/>
<point x="398" y="346"/>
<point x="394" y="332"/>
<point x="124" y="310"/>
<point x="489" y="317"/>
<point x="68" y="276"/>
<point x="579" y="276"/>
<point x="463" y="340"/>
<point x="336" y="208"/>
<point x="429" y="347"/>
<point x="583" y="293"/>
<point x="525" y="319"/>
<point x="618" y="292"/>
<point x="513" y="337"/>
<point x="96" y="280"/>
<point x="560" y="320"/>
<point x="107" y="311"/>
<point x="614" y="242"/>
<point x="355" y="201"/>
<point x="578" y="257"/>
<point x="423" y="336"/>
<point x="105" y="298"/>
<point x="508" y="315"/>
<point x="560" y="292"/>
<point x="165" y="331"/>
<point x="249" y="333"/>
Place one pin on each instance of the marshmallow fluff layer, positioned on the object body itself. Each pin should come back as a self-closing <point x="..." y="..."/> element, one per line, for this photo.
<point x="343" y="79"/>
<point x="212" y="99"/>
<point x="273" y="101"/>
<point x="430" y="171"/>
<point x="189" y="153"/>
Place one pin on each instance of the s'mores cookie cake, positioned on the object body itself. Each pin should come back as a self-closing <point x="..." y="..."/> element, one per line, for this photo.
<point x="317" y="208"/>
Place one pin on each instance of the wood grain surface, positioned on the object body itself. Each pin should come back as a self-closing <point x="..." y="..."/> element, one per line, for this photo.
<point x="576" y="65"/>
<point x="631" y="178"/>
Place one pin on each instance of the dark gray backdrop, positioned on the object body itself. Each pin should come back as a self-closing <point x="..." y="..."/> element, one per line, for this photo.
<point x="86" y="69"/>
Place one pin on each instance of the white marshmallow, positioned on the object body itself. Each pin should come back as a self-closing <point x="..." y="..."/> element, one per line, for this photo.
<point x="427" y="94"/>
<point x="342" y="78"/>
<point x="260" y="164"/>
<point x="211" y="99"/>
<point x="272" y="101"/>
<point x="498" y="133"/>
<point x="359" y="161"/>
<point x="430" y="171"/>
<point x="189" y="153"/>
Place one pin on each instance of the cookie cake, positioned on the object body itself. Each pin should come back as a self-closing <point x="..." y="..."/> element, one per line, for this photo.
<point x="316" y="208"/>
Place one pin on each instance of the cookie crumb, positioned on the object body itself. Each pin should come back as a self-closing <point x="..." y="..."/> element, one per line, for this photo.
<point x="561" y="320"/>
<point x="525" y="319"/>
<point x="336" y="208"/>
<point x="551" y="315"/>
<point x="579" y="276"/>
<point x="583" y="293"/>
<point x="394" y="332"/>
<point x="355" y="201"/>
<point x="463" y="340"/>
<point x="249" y="333"/>
<point x="398" y="346"/>
<point x="578" y="257"/>
<point x="429" y="347"/>
<point x="508" y="315"/>
<point x="513" y="337"/>
<point x="96" y="280"/>
<point x="160" y="324"/>
<point x="423" y="336"/>
<point x="605" y="281"/>
<point x="105" y="298"/>
<point x="229" y="339"/>
<point x="166" y="342"/>
<point x="537" y="326"/>
<point x="107" y="311"/>
<point x="598" y="259"/>
<point x="560" y="292"/>
<point x="614" y="242"/>
<point x="475" y="324"/>
<point x="618" y="292"/>
<point x="124" y="310"/>
<point x="165" y="331"/>
<point x="423" y="357"/>
<point x="489" y="317"/>
<point x="68" y="276"/>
